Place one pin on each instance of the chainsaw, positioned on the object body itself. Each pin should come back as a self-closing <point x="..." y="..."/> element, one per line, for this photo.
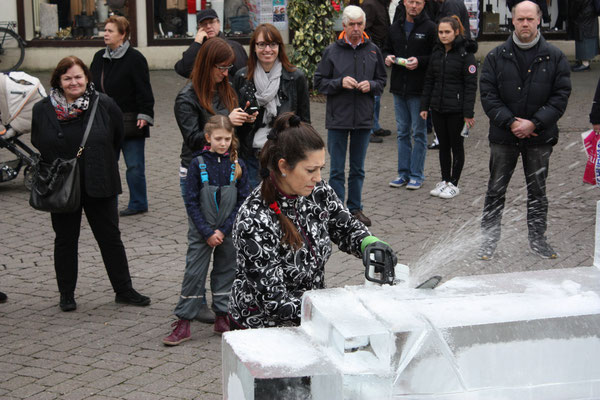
<point x="380" y="263"/>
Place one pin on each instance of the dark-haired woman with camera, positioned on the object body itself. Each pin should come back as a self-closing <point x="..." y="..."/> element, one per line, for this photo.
<point x="284" y="231"/>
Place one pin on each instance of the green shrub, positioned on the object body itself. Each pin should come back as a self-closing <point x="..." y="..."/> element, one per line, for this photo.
<point x="312" y="22"/>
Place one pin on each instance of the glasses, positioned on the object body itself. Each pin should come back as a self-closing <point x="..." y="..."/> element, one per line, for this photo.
<point x="224" y="68"/>
<point x="263" y="45"/>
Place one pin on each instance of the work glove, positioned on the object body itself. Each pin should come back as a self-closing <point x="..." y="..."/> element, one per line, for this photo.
<point x="383" y="253"/>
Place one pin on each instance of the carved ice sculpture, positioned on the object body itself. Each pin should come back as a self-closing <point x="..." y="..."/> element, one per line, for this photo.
<point x="524" y="335"/>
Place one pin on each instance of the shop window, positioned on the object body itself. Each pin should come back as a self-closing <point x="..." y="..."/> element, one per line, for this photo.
<point x="174" y="21"/>
<point x="74" y="22"/>
<point x="495" y="19"/>
<point x="238" y="19"/>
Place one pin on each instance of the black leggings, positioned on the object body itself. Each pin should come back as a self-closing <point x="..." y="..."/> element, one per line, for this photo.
<point x="452" y="151"/>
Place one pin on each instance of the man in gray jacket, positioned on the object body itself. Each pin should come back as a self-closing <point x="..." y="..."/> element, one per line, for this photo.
<point x="351" y="73"/>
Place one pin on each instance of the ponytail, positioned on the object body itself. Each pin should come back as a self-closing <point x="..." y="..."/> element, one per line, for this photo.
<point x="233" y="156"/>
<point x="290" y="139"/>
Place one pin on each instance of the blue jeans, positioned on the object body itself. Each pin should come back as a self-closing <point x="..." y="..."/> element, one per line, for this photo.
<point x="376" y="109"/>
<point x="411" y="158"/>
<point x="133" y="153"/>
<point x="252" y="166"/>
<point x="337" y="143"/>
<point x="195" y="243"/>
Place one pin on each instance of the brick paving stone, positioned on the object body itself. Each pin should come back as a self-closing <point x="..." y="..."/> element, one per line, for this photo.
<point x="94" y="374"/>
<point x="119" y="391"/>
<point x="139" y="395"/>
<point x="144" y="379"/>
<point x="34" y="372"/>
<point x="43" y="396"/>
<point x="17" y="382"/>
<point x="79" y="394"/>
<point x="54" y="379"/>
<point x="27" y="391"/>
<point x="168" y="368"/>
<point x="109" y="351"/>
<point x="106" y="382"/>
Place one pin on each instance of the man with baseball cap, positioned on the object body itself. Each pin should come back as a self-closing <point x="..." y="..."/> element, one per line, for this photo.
<point x="209" y="26"/>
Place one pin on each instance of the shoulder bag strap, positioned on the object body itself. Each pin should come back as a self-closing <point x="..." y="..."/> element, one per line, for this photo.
<point x="203" y="172"/>
<point x="102" y="78"/>
<point x="89" y="126"/>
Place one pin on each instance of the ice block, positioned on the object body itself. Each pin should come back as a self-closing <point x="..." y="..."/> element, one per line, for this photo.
<point x="277" y="363"/>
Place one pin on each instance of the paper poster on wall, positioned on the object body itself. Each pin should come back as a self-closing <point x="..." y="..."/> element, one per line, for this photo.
<point x="268" y="12"/>
<point x="280" y="14"/>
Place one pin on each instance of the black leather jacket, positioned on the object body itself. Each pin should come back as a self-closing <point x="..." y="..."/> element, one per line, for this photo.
<point x="191" y="118"/>
<point x="293" y="96"/>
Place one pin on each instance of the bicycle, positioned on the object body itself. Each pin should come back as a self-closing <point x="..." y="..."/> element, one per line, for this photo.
<point x="12" y="47"/>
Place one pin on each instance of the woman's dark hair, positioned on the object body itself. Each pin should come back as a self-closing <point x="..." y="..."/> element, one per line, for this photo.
<point x="455" y="23"/>
<point x="291" y="140"/>
<point x="219" y="121"/>
<point x="213" y="52"/>
<point x="63" y="66"/>
<point x="270" y="35"/>
<point x="121" y="23"/>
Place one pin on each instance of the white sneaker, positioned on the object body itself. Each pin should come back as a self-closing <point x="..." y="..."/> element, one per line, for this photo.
<point x="449" y="191"/>
<point x="439" y="187"/>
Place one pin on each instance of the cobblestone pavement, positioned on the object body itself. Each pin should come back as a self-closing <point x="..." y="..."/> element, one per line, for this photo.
<point x="109" y="351"/>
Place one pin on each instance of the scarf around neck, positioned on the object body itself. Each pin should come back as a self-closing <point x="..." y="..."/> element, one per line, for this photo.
<point x="526" y="46"/>
<point x="67" y="111"/>
<point x="119" y="52"/>
<point x="267" y="86"/>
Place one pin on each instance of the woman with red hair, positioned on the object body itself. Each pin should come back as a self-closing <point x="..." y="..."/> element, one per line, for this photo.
<point x="209" y="93"/>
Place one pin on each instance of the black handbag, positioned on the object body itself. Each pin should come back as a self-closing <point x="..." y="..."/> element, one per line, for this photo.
<point x="56" y="187"/>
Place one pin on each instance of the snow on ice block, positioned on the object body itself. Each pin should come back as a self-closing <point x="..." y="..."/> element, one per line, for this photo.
<point x="276" y="363"/>
<point x="336" y="319"/>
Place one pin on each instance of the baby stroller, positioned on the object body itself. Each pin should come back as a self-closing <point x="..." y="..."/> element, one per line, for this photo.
<point x="18" y="93"/>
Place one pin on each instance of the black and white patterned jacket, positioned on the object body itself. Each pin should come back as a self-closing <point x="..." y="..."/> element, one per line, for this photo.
<point x="271" y="276"/>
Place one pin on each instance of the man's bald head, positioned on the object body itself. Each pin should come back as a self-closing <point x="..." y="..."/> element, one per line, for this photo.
<point x="527" y="4"/>
<point x="526" y="18"/>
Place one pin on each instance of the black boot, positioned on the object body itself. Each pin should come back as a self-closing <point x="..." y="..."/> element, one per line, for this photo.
<point x="131" y="297"/>
<point x="3" y="297"/>
<point x="67" y="302"/>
